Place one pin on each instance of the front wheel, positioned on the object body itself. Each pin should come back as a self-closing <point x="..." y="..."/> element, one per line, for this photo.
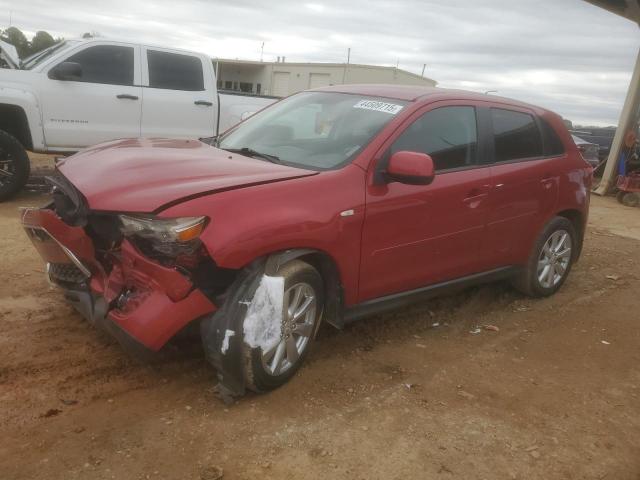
<point x="550" y="261"/>
<point x="270" y="366"/>
<point x="14" y="166"/>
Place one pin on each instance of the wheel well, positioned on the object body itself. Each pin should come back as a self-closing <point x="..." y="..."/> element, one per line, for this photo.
<point x="13" y="120"/>
<point x="577" y="220"/>
<point x="326" y="266"/>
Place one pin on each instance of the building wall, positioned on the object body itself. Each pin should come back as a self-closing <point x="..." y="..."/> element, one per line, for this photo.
<point x="282" y="79"/>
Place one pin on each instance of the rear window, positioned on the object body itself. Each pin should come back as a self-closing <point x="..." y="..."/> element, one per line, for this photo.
<point x="516" y="135"/>
<point x="174" y="71"/>
<point x="552" y="144"/>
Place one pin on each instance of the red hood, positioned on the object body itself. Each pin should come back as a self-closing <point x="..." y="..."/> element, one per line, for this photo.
<point x="142" y="175"/>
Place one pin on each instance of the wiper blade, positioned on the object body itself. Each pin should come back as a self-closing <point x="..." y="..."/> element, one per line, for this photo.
<point x="250" y="152"/>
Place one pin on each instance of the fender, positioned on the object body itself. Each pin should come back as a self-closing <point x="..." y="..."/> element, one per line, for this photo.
<point x="19" y="97"/>
<point x="250" y="223"/>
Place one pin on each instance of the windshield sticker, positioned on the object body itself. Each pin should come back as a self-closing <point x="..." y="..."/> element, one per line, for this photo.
<point x="391" y="108"/>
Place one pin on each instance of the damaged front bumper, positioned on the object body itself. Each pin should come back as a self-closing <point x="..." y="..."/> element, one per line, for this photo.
<point x="140" y="302"/>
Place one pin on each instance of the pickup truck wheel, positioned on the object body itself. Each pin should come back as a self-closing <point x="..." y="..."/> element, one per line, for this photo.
<point x="14" y="166"/>
<point x="550" y="261"/>
<point x="302" y="309"/>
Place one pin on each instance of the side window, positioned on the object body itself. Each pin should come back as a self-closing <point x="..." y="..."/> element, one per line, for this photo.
<point x="552" y="144"/>
<point x="447" y="134"/>
<point x="110" y="64"/>
<point x="516" y="135"/>
<point x="174" y="71"/>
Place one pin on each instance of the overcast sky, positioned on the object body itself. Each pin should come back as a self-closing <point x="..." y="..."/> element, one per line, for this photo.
<point x="566" y="55"/>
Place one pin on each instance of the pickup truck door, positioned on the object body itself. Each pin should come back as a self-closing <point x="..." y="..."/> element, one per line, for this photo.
<point x="102" y="104"/>
<point x="179" y="95"/>
<point x="417" y="235"/>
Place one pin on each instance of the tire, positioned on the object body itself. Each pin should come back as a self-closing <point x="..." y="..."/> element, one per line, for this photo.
<point x="620" y="196"/>
<point x="537" y="279"/>
<point x="262" y="371"/>
<point x="14" y="166"/>
<point x="629" y="199"/>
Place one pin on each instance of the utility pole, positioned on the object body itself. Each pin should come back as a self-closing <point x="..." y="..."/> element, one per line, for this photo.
<point x="344" y="71"/>
<point x="424" y="65"/>
<point x="262" y="51"/>
<point x="10" y="16"/>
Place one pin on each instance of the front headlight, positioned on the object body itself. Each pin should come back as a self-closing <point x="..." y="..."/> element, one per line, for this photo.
<point x="166" y="236"/>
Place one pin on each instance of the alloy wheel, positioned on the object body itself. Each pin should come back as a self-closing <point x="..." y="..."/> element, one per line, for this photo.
<point x="554" y="259"/>
<point x="299" y="316"/>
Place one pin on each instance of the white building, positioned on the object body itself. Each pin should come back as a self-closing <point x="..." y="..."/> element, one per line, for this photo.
<point x="283" y="78"/>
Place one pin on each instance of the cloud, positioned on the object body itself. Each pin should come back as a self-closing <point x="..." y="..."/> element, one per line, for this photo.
<point x="568" y="56"/>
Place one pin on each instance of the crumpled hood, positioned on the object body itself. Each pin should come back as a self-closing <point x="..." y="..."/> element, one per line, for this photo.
<point x="9" y="54"/>
<point x="143" y="175"/>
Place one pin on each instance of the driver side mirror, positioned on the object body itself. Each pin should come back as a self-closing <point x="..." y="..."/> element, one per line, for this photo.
<point x="66" y="71"/>
<point x="411" y="168"/>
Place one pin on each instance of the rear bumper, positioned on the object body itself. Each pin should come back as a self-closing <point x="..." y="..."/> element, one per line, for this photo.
<point x="142" y="303"/>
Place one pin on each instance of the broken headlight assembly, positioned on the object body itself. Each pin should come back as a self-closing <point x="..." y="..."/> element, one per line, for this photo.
<point x="164" y="238"/>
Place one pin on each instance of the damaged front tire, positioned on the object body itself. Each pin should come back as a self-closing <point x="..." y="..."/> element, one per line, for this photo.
<point x="263" y="331"/>
<point x="270" y="365"/>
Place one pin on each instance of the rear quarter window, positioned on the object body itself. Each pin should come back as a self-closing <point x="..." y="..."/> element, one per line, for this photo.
<point x="553" y="146"/>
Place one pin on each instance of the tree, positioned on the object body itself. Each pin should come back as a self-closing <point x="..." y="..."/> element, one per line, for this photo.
<point x="40" y="41"/>
<point x="16" y="38"/>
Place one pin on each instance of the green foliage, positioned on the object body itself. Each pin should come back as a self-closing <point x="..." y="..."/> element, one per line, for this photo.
<point x="40" y="41"/>
<point x="15" y="37"/>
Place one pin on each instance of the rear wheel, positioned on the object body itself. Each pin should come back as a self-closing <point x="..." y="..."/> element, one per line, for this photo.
<point x="14" y="166"/>
<point x="629" y="199"/>
<point x="550" y="261"/>
<point x="302" y="308"/>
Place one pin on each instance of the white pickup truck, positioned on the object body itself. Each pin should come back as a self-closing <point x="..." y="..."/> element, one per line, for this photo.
<point x="81" y="92"/>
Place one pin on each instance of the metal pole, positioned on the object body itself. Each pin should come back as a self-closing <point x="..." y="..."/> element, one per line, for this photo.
<point x="424" y="65"/>
<point x="262" y="51"/>
<point x="627" y="118"/>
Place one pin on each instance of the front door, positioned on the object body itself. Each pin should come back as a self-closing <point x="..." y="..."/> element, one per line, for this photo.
<point x="103" y="104"/>
<point x="416" y="235"/>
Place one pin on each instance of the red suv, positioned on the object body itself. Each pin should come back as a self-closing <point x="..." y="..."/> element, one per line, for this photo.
<point x="332" y="204"/>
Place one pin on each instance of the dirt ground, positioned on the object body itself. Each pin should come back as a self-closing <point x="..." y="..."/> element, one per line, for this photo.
<point x="554" y="394"/>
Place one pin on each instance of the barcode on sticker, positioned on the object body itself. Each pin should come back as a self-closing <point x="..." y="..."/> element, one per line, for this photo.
<point x="391" y="108"/>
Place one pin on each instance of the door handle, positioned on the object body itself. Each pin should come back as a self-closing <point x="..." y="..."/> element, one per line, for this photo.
<point x="127" y="96"/>
<point x="203" y="102"/>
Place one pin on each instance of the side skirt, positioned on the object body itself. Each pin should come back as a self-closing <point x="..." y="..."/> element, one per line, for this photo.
<point x="402" y="299"/>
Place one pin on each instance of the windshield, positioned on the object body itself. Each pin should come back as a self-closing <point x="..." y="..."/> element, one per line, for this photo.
<point x="37" y="58"/>
<point x="315" y="130"/>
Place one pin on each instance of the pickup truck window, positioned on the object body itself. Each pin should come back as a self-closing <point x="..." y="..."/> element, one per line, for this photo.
<point x="106" y="64"/>
<point x="173" y="71"/>
<point x="314" y="130"/>
<point x="448" y="134"/>
<point x="516" y="135"/>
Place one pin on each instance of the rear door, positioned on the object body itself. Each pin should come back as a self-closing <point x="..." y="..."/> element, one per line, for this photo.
<point x="525" y="184"/>
<point x="416" y="235"/>
<point x="179" y="95"/>
<point x="103" y="104"/>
